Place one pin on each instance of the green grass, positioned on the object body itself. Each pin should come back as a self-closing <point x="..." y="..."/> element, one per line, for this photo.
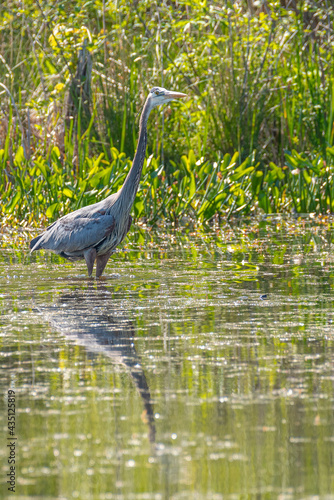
<point x="194" y="190"/>
<point x="256" y="133"/>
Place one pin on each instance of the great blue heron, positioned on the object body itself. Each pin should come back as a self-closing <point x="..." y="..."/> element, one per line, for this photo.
<point x="93" y="232"/>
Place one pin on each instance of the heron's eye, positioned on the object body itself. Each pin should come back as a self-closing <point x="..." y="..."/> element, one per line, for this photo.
<point x="157" y="92"/>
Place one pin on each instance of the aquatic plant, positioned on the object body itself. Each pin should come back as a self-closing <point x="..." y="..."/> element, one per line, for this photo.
<point x="194" y="190"/>
<point x="255" y="134"/>
<point x="197" y="189"/>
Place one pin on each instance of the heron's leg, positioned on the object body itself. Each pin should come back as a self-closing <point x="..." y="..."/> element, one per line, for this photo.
<point x="90" y="256"/>
<point x="101" y="262"/>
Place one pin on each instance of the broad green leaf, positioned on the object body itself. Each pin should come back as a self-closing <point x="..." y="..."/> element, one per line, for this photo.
<point x="51" y="210"/>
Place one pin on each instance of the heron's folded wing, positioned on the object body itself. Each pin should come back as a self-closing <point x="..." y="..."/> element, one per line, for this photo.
<point x="73" y="235"/>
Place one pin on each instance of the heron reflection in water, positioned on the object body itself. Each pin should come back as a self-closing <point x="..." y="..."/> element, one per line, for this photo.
<point x="93" y="232"/>
<point x="104" y="330"/>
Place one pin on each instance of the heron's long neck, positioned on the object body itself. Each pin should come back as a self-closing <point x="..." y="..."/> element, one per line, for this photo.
<point x="129" y="189"/>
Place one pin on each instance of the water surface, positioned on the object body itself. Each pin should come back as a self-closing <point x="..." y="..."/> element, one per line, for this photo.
<point x="201" y="367"/>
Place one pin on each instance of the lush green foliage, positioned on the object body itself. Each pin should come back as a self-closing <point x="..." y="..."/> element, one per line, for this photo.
<point x="256" y="132"/>
<point x="200" y="188"/>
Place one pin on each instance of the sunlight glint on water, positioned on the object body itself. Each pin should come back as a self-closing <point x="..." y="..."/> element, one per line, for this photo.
<point x="201" y="367"/>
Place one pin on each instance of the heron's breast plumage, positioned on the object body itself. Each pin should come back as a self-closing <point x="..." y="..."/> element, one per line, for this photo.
<point x="109" y="242"/>
<point x="116" y="235"/>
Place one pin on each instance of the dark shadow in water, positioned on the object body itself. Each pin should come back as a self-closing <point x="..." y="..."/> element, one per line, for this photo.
<point x="91" y="319"/>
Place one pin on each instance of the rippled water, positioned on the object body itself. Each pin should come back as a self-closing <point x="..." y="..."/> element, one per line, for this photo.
<point x="202" y="367"/>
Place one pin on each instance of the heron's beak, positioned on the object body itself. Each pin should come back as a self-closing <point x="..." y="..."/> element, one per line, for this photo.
<point x="174" y="95"/>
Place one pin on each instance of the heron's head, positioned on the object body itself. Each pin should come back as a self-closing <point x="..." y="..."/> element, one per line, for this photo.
<point x="159" y="95"/>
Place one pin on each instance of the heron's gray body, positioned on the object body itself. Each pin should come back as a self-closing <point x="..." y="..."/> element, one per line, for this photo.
<point x="95" y="226"/>
<point x="93" y="232"/>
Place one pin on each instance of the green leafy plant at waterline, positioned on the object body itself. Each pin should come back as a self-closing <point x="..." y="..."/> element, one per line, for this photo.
<point x="305" y="184"/>
<point x="39" y="188"/>
<point x="194" y="188"/>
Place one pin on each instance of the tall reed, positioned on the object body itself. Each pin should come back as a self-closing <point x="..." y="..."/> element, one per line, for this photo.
<point x="260" y="84"/>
